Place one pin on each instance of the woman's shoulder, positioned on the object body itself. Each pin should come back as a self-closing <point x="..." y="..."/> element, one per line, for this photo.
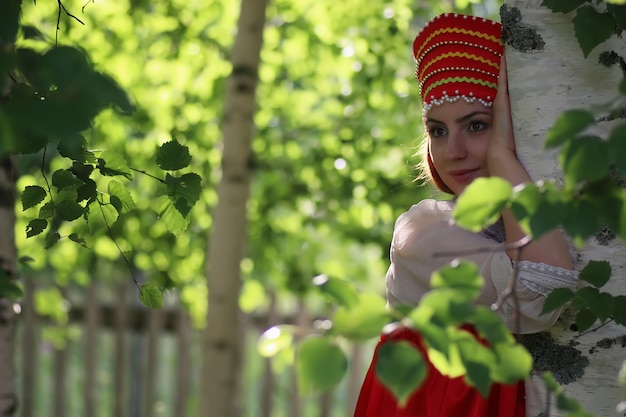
<point x="428" y="209"/>
<point x="421" y="217"/>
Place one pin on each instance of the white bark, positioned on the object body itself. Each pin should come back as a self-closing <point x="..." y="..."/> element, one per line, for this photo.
<point x="542" y="85"/>
<point x="221" y="368"/>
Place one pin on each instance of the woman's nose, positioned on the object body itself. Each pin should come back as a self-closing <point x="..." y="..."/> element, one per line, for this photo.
<point x="457" y="147"/>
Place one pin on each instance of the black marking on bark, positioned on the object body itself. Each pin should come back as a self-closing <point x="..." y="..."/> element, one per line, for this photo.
<point x="566" y="363"/>
<point x="517" y="35"/>
<point x="610" y="58"/>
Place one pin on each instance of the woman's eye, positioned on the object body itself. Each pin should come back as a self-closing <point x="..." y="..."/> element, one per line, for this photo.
<point x="476" y="126"/>
<point x="436" y="132"/>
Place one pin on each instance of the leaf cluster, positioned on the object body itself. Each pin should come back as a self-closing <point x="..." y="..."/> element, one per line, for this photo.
<point x="592" y="26"/>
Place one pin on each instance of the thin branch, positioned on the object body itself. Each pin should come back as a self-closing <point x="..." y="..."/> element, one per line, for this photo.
<point x="594" y="329"/>
<point x="86" y="3"/>
<point x="110" y="233"/>
<point x="62" y="7"/>
<point x="149" y="175"/>
<point x="43" y="171"/>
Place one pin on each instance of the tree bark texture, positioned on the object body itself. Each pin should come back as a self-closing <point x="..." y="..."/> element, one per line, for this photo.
<point x="542" y="84"/>
<point x="8" y="264"/>
<point x="222" y="351"/>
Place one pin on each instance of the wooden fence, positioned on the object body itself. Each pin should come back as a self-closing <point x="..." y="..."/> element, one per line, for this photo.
<point x="120" y="359"/>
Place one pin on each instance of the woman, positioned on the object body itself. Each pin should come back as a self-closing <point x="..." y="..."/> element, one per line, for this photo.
<point x="461" y="73"/>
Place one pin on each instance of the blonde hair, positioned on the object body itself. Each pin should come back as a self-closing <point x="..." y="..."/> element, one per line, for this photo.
<point x="426" y="167"/>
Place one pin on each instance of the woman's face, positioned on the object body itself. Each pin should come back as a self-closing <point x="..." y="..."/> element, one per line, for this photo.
<point x="458" y="137"/>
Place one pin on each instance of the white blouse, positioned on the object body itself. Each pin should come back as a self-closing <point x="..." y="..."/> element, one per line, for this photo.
<point x="427" y="229"/>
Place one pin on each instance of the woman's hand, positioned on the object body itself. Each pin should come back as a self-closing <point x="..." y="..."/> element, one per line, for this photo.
<point x="502" y="142"/>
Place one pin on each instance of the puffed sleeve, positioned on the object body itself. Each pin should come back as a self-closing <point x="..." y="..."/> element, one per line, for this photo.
<point x="425" y="230"/>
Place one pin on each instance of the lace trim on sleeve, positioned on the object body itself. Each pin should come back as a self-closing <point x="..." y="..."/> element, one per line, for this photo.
<point x="542" y="278"/>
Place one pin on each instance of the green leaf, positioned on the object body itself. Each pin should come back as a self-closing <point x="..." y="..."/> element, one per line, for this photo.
<point x="481" y="203"/>
<point x="538" y="211"/>
<point x="562" y="6"/>
<point x="461" y="276"/>
<point x="401" y="368"/>
<point x="557" y="298"/>
<point x="341" y="291"/>
<point x="490" y="326"/>
<point x="585" y="319"/>
<point x="47" y="210"/>
<point x="74" y="237"/>
<point x="150" y="295"/>
<point x="592" y="28"/>
<point x="566" y="403"/>
<point x="172" y="156"/>
<point x="581" y="220"/>
<point x="69" y="210"/>
<point x="275" y="339"/>
<point x="514" y="363"/>
<point x="35" y="226"/>
<point x="619" y="13"/>
<point x="321" y="364"/>
<point x="617" y="145"/>
<point x="63" y="178"/>
<point x="101" y="217"/>
<point x="10" y="289"/>
<point x="120" y="197"/>
<point x="32" y="32"/>
<point x="51" y="239"/>
<point x="477" y="360"/>
<point x="619" y="309"/>
<point x="184" y="191"/>
<point x="567" y="126"/>
<point x="170" y="215"/>
<point x="32" y="195"/>
<point x="112" y="163"/>
<point x="597" y="273"/>
<point x="601" y="306"/>
<point x="362" y="321"/>
<point x="586" y="158"/>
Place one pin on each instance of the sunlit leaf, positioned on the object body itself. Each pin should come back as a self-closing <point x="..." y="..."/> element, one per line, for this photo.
<point x="567" y="125"/>
<point x="112" y="163"/>
<point x="362" y="321"/>
<point x="275" y="339"/>
<point x="321" y="364"/>
<point x="184" y="191"/>
<point x="460" y="275"/>
<point x="101" y="217"/>
<point x="481" y="203"/>
<point x="120" y="197"/>
<point x="514" y="363"/>
<point x="150" y="295"/>
<point x="400" y="368"/>
<point x="341" y="291"/>
<point x="170" y="215"/>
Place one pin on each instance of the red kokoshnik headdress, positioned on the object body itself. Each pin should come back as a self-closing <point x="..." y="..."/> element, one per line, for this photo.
<point x="458" y="56"/>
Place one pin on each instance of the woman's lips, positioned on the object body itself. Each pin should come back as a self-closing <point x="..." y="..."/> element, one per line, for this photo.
<point x="463" y="176"/>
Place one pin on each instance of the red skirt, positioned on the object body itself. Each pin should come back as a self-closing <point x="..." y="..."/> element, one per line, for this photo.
<point x="439" y="395"/>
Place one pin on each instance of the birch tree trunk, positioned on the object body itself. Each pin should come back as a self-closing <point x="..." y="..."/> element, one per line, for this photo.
<point x="543" y="84"/>
<point x="222" y="356"/>
<point x="8" y="265"/>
